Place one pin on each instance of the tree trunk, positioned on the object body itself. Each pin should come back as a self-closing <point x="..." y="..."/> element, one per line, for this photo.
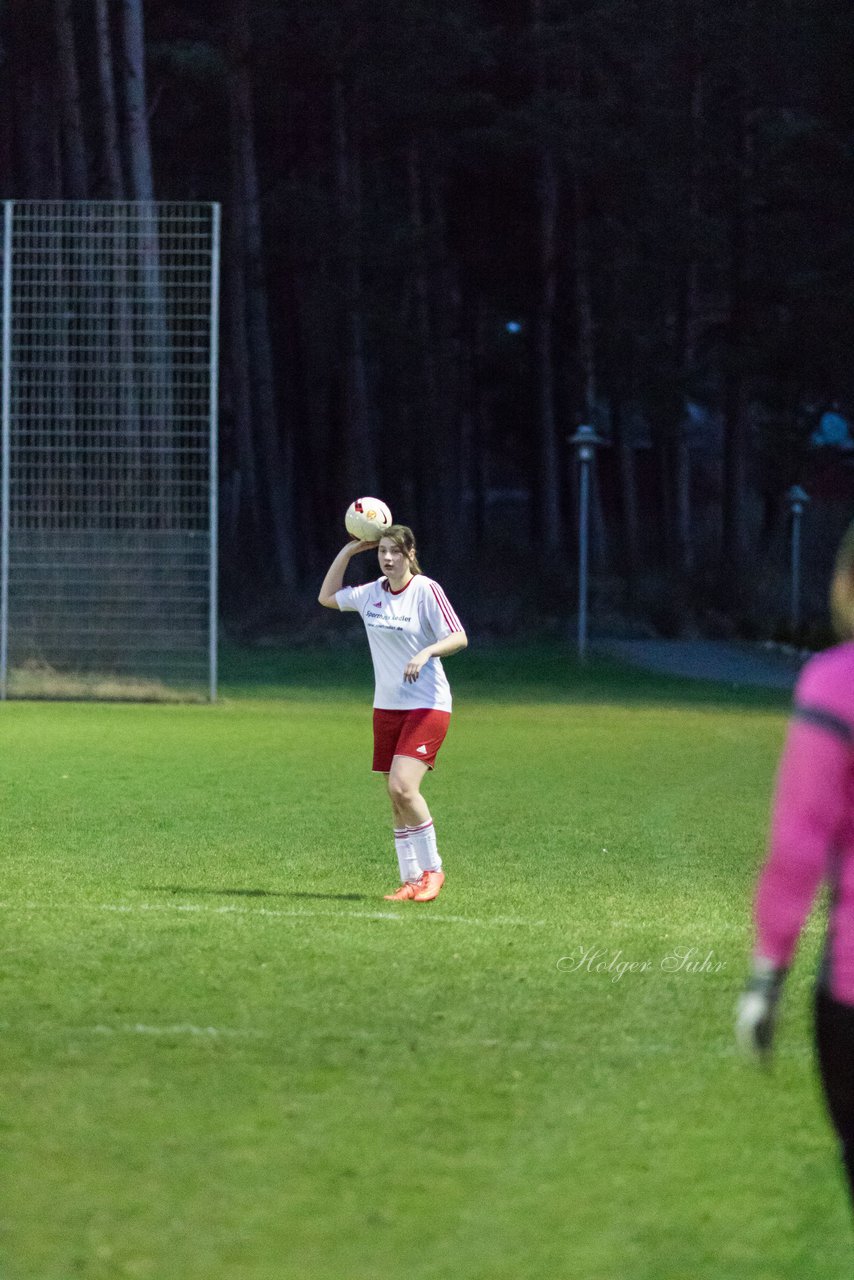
<point x="547" y="509"/>
<point x="438" y="459"/>
<point x="33" y="78"/>
<point x="127" y="399"/>
<point x="239" y="362"/>
<point x="76" y="167"/>
<point x="6" y="139"/>
<point x="136" y="110"/>
<point x="478" y="422"/>
<point x="113" y="179"/>
<point x="587" y="360"/>
<point x="630" y="550"/>
<point x="275" y="462"/>
<point x="427" y="448"/>
<point x="691" y="280"/>
<point x="584" y="308"/>
<point x="682" y="504"/>
<point x="451" y="334"/>
<point x="736" y="396"/>
<point x="690" y="303"/>
<point x="152" y="329"/>
<point x="360" y="468"/>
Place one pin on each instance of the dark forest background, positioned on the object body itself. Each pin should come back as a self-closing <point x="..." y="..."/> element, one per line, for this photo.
<point x="455" y="230"/>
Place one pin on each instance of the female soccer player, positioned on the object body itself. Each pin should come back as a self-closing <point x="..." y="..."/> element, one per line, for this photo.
<point x="812" y="840"/>
<point x="411" y="627"/>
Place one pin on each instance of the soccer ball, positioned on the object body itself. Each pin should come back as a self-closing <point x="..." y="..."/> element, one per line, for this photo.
<point x="368" y="519"/>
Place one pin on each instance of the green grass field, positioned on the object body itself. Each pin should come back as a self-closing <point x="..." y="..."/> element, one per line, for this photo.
<point x="225" y="1057"/>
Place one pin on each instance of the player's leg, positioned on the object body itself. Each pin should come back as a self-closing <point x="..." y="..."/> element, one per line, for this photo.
<point x="387" y="727"/>
<point x="834" y="1027"/>
<point x="410" y="872"/>
<point x="404" y="789"/>
<point x="404" y="786"/>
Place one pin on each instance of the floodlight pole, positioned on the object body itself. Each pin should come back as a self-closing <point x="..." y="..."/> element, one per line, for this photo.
<point x="797" y="498"/>
<point x="585" y="441"/>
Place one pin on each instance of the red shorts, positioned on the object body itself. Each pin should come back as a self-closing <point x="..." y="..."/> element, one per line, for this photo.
<point x="418" y="733"/>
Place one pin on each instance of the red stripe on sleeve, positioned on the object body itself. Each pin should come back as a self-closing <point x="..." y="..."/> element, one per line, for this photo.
<point x="448" y="614"/>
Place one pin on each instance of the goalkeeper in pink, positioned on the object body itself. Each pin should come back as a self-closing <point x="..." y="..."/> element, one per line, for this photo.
<point x="812" y="842"/>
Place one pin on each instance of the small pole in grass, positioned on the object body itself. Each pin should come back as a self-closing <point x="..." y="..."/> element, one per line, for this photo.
<point x="585" y="442"/>
<point x="798" y="498"/>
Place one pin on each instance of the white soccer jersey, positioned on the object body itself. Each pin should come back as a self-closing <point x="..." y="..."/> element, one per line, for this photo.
<point x="399" y="625"/>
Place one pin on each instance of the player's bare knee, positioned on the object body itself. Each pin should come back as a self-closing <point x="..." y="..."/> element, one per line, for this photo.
<point x="401" y="791"/>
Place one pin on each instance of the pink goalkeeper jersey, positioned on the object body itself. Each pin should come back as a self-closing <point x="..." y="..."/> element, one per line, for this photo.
<point x="399" y="625"/>
<point x="812" y="828"/>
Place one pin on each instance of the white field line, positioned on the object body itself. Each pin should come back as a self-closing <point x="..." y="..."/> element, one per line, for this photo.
<point x="398" y="916"/>
<point x="179" y="1029"/>
<point x="498" y="922"/>
<point x="275" y="913"/>
<point x="636" y="1048"/>
<point x="143" y="1029"/>
<point x="699" y="933"/>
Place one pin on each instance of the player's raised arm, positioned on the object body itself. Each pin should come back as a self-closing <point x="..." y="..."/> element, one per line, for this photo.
<point x="334" y="579"/>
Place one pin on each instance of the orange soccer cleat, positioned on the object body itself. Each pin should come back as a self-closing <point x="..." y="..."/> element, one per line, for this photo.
<point x="428" y="889"/>
<point x="406" y="891"/>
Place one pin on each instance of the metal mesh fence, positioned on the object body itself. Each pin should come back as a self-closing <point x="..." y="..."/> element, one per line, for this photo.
<point x="109" y="442"/>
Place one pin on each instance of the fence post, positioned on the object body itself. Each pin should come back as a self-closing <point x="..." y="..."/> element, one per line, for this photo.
<point x="214" y="449"/>
<point x="5" y="445"/>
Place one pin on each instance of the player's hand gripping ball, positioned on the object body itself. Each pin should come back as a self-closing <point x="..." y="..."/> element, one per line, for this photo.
<point x="367" y="519"/>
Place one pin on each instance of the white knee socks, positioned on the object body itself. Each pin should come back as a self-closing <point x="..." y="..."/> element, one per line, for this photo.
<point x="406" y="859"/>
<point x="423" y="841"/>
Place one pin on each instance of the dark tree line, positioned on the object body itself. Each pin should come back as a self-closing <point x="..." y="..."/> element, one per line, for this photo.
<point x="456" y="229"/>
